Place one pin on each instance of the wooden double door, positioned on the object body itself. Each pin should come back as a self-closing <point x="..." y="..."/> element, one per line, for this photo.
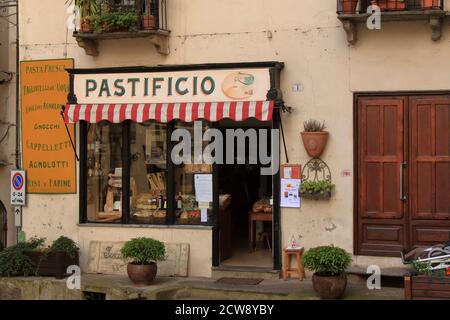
<point x="403" y="173"/>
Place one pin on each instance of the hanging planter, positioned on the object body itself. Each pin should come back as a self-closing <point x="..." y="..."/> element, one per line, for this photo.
<point x="314" y="138"/>
<point x="316" y="180"/>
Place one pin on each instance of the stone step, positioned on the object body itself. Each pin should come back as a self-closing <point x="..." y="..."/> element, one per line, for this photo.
<point x="244" y="272"/>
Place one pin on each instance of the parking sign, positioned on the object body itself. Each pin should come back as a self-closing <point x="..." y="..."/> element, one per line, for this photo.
<point x="18" y="191"/>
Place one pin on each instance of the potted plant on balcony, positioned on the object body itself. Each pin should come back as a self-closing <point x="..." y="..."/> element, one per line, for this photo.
<point x="148" y="19"/>
<point x="431" y="4"/>
<point x="87" y="24"/>
<point x="314" y="137"/>
<point x="317" y="189"/>
<point x="329" y="264"/>
<point x="349" y="6"/>
<point x="394" y="5"/>
<point x="117" y="21"/>
<point x="143" y="255"/>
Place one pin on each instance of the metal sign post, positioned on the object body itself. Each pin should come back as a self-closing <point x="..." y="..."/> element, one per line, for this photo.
<point x="18" y="195"/>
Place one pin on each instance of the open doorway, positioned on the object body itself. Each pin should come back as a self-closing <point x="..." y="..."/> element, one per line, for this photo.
<point x="249" y="229"/>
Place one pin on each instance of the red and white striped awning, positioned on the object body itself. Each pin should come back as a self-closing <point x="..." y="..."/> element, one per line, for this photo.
<point x="166" y="112"/>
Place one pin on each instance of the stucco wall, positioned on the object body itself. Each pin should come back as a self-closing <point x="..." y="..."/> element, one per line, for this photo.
<point x="7" y="112"/>
<point x="309" y="39"/>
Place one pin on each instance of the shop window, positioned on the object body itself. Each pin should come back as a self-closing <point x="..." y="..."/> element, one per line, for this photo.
<point x="189" y="210"/>
<point x="104" y="173"/>
<point x="161" y="191"/>
<point x="148" y="196"/>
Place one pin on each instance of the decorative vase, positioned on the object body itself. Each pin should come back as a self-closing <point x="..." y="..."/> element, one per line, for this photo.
<point x="315" y="142"/>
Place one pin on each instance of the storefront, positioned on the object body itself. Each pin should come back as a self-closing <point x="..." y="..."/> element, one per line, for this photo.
<point x="171" y="147"/>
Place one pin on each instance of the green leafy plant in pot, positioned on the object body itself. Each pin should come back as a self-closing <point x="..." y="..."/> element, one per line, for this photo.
<point x="143" y="255"/>
<point x="314" y="137"/>
<point x="329" y="264"/>
<point x="317" y="189"/>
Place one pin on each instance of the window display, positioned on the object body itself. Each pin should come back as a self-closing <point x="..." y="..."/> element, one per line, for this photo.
<point x="148" y="199"/>
<point x="189" y="208"/>
<point x="104" y="159"/>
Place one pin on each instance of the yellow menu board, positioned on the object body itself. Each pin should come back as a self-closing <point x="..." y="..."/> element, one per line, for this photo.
<point x="48" y="156"/>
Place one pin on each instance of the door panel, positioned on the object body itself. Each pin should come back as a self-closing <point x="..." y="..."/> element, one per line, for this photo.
<point x="414" y="131"/>
<point x="381" y="212"/>
<point x="430" y="169"/>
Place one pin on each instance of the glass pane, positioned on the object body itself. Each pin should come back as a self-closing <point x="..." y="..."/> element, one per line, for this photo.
<point x="148" y="173"/>
<point x="188" y="209"/>
<point x="104" y="189"/>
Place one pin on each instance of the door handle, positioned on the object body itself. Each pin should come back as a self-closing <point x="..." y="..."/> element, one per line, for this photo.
<point x="402" y="192"/>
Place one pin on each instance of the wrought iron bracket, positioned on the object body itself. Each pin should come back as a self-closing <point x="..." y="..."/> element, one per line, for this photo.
<point x="316" y="170"/>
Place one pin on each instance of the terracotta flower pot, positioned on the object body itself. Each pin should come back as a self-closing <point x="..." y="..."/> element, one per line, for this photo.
<point x="148" y="22"/>
<point x="315" y="142"/>
<point x="86" y="27"/>
<point x="391" y="5"/>
<point x="349" y="6"/>
<point x="142" y="274"/>
<point x="430" y="4"/>
<point x="329" y="287"/>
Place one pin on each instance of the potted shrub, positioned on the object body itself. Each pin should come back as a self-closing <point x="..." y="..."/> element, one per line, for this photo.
<point x="329" y="264"/>
<point x="424" y="283"/>
<point x="54" y="260"/>
<point x="143" y="255"/>
<point x="316" y="189"/>
<point x="314" y="137"/>
<point x="13" y="260"/>
<point x="349" y="6"/>
<point x="148" y="20"/>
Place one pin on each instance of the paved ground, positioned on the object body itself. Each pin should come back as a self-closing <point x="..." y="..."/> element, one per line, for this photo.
<point x="198" y="288"/>
<point x="120" y="287"/>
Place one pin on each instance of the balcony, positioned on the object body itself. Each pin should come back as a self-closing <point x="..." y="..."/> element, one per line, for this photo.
<point x="122" y="19"/>
<point x="352" y="14"/>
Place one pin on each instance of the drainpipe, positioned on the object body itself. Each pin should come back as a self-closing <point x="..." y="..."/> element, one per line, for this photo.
<point x="18" y="120"/>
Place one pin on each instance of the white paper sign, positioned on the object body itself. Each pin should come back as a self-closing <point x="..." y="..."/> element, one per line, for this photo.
<point x="204" y="215"/>
<point x="290" y="197"/>
<point x="204" y="187"/>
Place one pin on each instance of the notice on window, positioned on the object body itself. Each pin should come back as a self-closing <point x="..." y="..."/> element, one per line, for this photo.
<point x="48" y="156"/>
<point x="290" y="193"/>
<point x="204" y="187"/>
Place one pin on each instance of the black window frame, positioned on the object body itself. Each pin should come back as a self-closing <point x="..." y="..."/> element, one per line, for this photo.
<point x="126" y="175"/>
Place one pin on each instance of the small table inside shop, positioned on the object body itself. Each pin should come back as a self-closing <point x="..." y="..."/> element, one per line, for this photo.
<point x="252" y="218"/>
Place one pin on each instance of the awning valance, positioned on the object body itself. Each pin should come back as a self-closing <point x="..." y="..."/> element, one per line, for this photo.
<point x="166" y="112"/>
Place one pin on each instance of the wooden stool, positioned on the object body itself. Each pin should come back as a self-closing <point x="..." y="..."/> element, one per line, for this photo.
<point x="287" y="271"/>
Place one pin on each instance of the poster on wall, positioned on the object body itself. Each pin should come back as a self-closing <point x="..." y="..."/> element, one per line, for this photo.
<point x="290" y="196"/>
<point x="48" y="156"/>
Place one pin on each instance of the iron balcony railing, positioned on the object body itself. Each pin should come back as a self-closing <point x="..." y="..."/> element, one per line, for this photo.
<point x="155" y="8"/>
<point x="391" y="5"/>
